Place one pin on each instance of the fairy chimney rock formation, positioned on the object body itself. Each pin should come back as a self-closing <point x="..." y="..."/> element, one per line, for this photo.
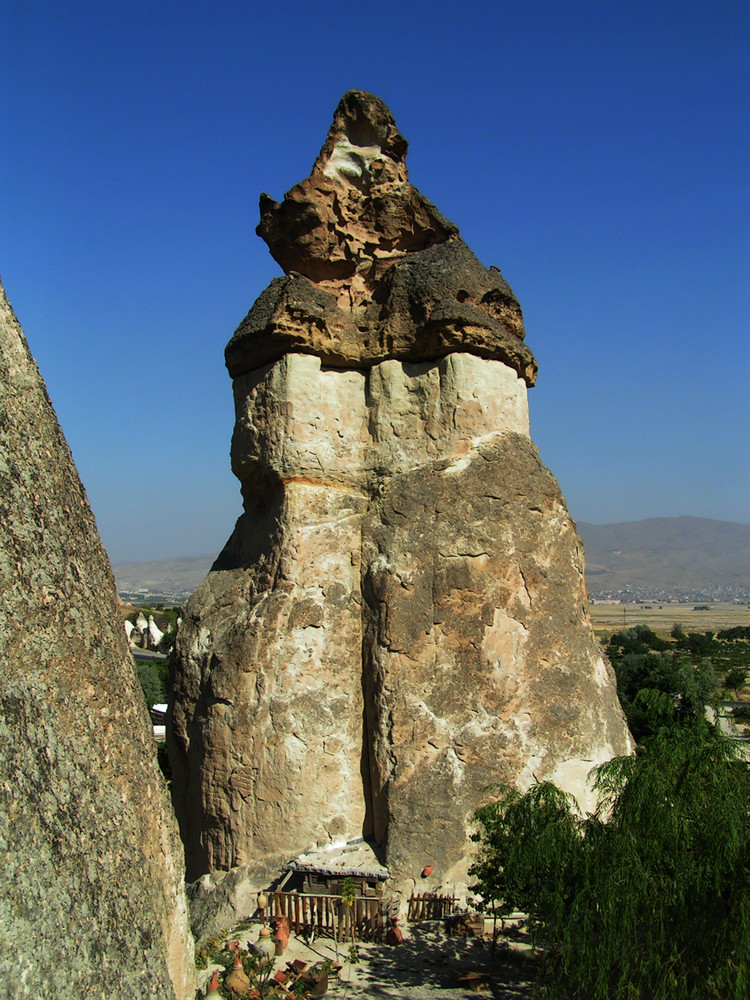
<point x="399" y="619"/>
<point x="93" y="898"/>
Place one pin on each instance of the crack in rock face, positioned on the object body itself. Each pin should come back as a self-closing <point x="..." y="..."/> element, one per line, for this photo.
<point x="399" y="619"/>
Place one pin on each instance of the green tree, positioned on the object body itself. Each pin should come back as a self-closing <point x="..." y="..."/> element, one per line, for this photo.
<point x="690" y="686"/>
<point x="649" y="898"/>
<point x="735" y="679"/>
<point x="638" y="639"/>
<point x="152" y="682"/>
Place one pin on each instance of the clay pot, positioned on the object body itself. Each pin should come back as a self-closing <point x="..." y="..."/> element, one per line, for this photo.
<point x="394" y="934"/>
<point x="265" y="947"/>
<point x="316" y="981"/>
<point x="281" y="937"/>
<point x="237" y="982"/>
<point x="213" y="987"/>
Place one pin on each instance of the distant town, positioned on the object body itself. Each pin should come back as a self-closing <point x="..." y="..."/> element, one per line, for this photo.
<point x="727" y="594"/>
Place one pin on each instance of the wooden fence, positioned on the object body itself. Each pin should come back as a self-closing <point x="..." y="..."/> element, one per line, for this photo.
<point x="430" y="906"/>
<point x="329" y="916"/>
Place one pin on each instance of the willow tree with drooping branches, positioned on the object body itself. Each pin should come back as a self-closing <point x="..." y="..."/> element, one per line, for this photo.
<point x="648" y="898"/>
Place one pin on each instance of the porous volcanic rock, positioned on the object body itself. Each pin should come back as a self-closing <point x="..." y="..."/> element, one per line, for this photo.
<point x="399" y="619"/>
<point x="374" y="271"/>
<point x="92" y="900"/>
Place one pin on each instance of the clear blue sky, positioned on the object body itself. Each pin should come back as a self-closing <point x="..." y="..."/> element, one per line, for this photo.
<point x="597" y="152"/>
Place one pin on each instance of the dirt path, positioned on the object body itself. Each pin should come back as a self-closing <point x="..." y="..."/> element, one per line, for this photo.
<point x="427" y="965"/>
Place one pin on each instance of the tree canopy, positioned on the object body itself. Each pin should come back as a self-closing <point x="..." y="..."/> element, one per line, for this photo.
<point x="683" y="669"/>
<point x="648" y="898"/>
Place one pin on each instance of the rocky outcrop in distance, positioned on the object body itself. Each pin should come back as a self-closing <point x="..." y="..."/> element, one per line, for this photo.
<point x="399" y="619"/>
<point x="144" y="633"/>
<point x="92" y="901"/>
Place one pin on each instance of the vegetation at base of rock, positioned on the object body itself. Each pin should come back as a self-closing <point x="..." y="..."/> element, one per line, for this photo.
<point x="154" y="685"/>
<point x="211" y="951"/>
<point x="689" y="668"/>
<point x="648" y="898"/>
<point x="735" y="679"/>
<point x="258" y="970"/>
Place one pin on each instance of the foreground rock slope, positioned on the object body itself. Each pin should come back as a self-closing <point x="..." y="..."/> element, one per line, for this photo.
<point x="399" y="619"/>
<point x="92" y="901"/>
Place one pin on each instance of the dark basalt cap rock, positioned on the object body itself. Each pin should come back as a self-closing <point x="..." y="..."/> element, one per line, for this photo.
<point x="374" y="271"/>
<point x="427" y="305"/>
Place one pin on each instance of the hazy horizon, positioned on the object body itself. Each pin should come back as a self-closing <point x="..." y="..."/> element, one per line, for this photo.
<point x="597" y="524"/>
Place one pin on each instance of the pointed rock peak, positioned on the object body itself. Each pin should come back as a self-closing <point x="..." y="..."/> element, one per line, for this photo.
<point x="363" y="124"/>
<point x="357" y="212"/>
<point x="374" y="271"/>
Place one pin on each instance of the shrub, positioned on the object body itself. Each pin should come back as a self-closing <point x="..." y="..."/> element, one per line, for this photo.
<point x="152" y="682"/>
<point x="651" y="904"/>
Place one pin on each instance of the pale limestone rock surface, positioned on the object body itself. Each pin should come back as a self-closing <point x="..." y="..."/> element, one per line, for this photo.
<point x="92" y="901"/>
<point x="155" y="634"/>
<point x="399" y="619"/>
<point x="480" y="666"/>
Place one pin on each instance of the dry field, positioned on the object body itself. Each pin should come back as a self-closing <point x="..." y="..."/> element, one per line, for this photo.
<point x="608" y="618"/>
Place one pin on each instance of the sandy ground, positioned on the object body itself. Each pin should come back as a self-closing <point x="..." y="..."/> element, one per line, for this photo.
<point x="427" y="965"/>
<point x="608" y="618"/>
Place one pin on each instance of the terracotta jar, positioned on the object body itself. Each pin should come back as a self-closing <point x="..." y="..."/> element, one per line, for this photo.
<point x="394" y="934"/>
<point x="213" y="987"/>
<point x="237" y="982"/>
<point x="265" y="947"/>
<point x="281" y="937"/>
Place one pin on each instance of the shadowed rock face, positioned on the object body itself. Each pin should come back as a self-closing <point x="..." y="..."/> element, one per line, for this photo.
<point x="92" y="902"/>
<point x="399" y="618"/>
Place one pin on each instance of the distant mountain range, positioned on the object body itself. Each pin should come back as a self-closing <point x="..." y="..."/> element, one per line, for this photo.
<point x="683" y="556"/>
<point x="690" y="557"/>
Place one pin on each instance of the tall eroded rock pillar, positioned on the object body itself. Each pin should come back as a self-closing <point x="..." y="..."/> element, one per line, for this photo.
<point x="92" y="901"/>
<point x="399" y="619"/>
